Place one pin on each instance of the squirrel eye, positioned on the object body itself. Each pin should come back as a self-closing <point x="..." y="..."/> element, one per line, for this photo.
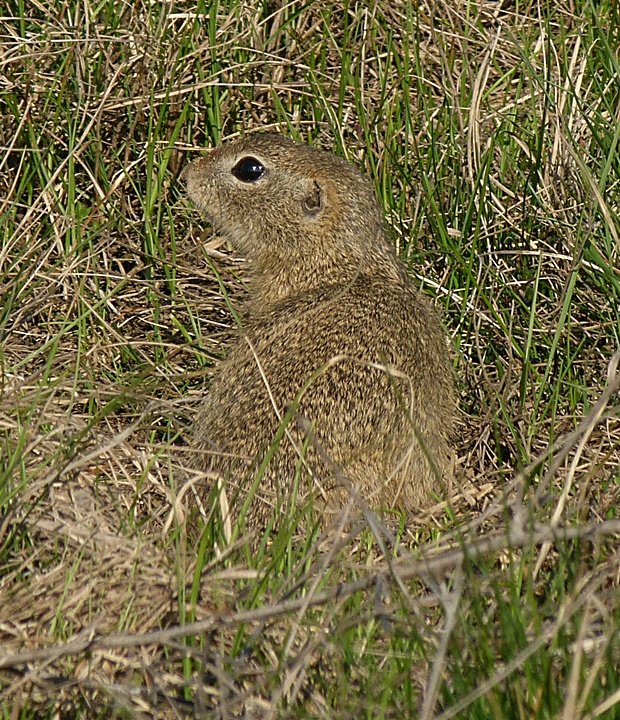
<point x="248" y="170"/>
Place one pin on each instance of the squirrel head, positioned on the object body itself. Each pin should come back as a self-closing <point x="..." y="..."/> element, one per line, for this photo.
<point x="293" y="211"/>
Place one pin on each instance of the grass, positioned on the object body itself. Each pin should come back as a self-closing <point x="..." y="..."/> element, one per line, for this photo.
<point x="491" y="132"/>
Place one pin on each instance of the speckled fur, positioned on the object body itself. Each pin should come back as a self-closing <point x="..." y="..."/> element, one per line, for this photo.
<point x="332" y="320"/>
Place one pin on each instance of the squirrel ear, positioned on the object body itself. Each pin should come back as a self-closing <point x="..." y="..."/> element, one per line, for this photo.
<point x="314" y="200"/>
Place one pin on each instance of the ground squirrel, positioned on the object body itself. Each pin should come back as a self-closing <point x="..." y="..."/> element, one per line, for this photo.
<point x="335" y="339"/>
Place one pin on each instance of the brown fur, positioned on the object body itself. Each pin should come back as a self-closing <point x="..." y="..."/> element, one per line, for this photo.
<point x="334" y="322"/>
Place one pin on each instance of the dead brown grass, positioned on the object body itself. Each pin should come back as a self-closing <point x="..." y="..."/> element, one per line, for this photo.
<point x="114" y="311"/>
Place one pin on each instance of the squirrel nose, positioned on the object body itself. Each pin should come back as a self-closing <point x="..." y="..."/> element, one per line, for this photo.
<point x="185" y="172"/>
